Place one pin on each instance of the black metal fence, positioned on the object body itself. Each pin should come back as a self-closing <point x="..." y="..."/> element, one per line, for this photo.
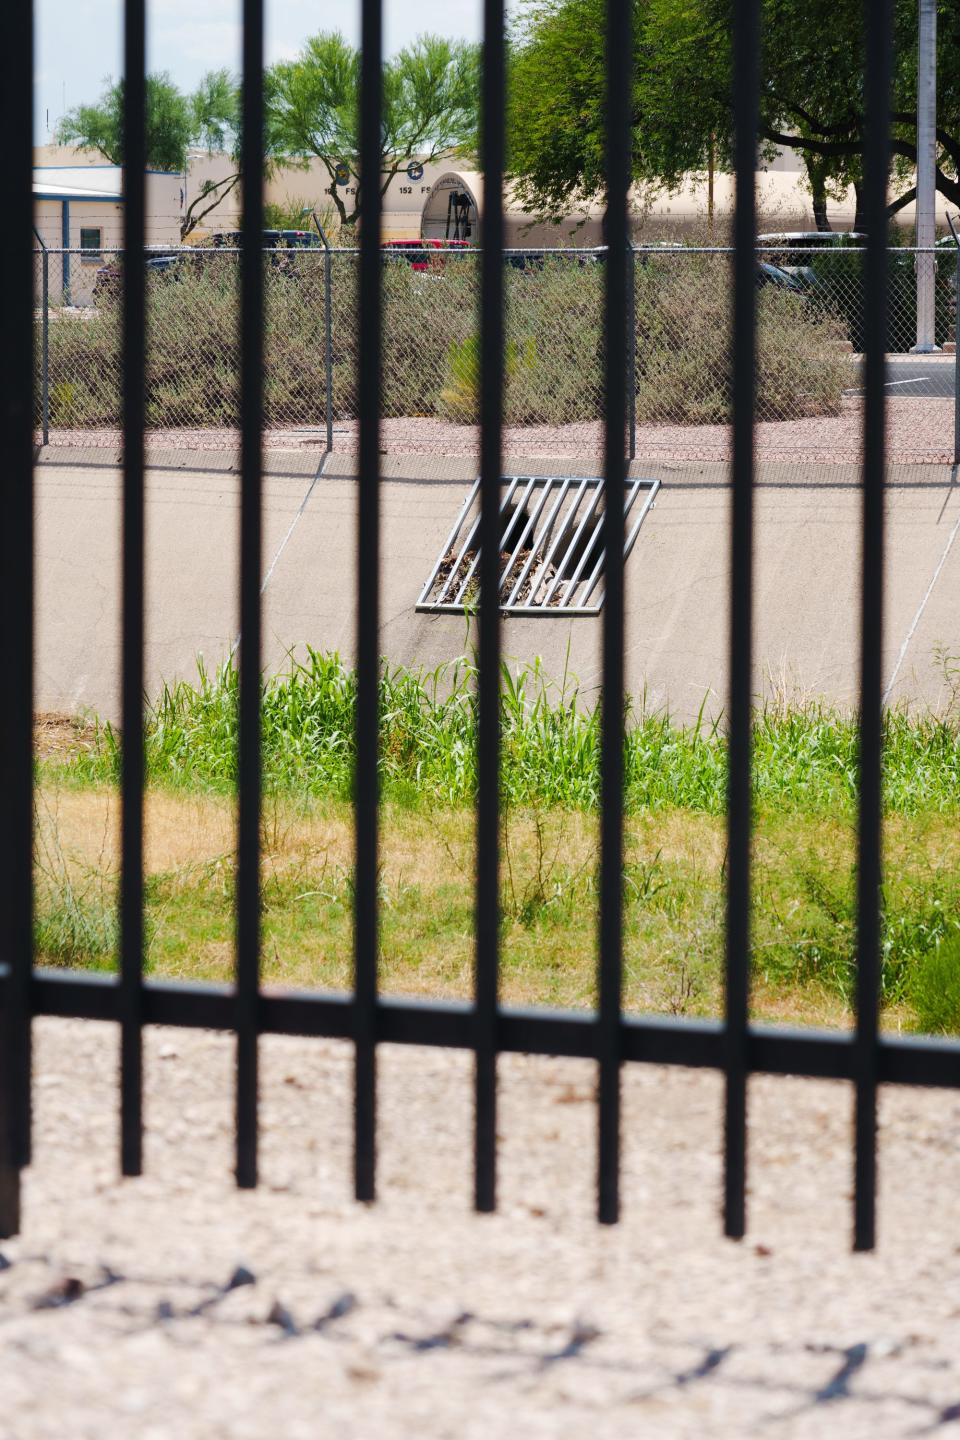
<point x="735" y="1047"/>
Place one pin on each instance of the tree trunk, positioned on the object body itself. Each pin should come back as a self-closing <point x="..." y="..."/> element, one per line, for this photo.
<point x="817" y="175"/>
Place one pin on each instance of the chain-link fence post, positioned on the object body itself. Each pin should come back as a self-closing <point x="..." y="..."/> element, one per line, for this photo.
<point x="44" y="337"/>
<point x="45" y="348"/>
<point x="328" y="336"/>
<point x="632" y="348"/>
<point x="327" y="325"/>
<point x="956" y="341"/>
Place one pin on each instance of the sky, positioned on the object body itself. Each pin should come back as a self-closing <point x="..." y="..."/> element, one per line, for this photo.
<point x="79" y="42"/>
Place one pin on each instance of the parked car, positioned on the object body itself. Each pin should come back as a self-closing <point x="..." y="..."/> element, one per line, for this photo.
<point x="826" y="264"/>
<point x="412" y="252"/>
<point x="785" y="248"/>
<point x="168" y="260"/>
<point x="272" y="240"/>
<point x="779" y="278"/>
<point x="276" y="242"/>
<point x="161" y="260"/>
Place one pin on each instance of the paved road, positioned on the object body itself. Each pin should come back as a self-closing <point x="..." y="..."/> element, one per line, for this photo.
<point x="918" y="376"/>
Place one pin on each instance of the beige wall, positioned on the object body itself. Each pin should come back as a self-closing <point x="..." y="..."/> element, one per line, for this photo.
<point x="402" y="205"/>
<point x="783" y="201"/>
<point x="87" y="170"/>
<point x="104" y="215"/>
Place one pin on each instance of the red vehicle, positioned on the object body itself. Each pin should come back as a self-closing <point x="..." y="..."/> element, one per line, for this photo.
<point x="394" y="249"/>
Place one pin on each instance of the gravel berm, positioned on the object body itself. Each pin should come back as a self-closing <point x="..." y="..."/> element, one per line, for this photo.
<point x="173" y="1306"/>
<point x="919" y="431"/>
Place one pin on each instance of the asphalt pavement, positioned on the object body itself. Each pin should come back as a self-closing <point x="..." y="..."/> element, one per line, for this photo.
<point x="917" y="376"/>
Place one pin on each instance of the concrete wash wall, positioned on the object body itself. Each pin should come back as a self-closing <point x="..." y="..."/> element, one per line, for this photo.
<point x="806" y="642"/>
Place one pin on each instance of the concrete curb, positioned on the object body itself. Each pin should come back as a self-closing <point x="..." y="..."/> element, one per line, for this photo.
<point x="444" y="469"/>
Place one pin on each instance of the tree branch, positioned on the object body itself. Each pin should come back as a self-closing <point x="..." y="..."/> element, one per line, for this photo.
<point x="191" y="221"/>
<point x="907" y="198"/>
<point x="948" y="141"/>
<point x="808" y="119"/>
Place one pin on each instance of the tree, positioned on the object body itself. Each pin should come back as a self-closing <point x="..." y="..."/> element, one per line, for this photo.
<point x="209" y="117"/>
<point x="430" y="107"/>
<point x="169" y="124"/>
<point x="811" y="98"/>
<point x="215" y="109"/>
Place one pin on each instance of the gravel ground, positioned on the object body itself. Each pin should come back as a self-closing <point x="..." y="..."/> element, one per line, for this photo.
<point x="173" y="1306"/>
<point x="919" y="431"/>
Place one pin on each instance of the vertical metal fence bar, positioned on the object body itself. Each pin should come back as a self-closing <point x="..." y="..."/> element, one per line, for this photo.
<point x="491" y="446"/>
<point x="956" y="362"/>
<point x="746" y="53"/>
<point x="366" y="920"/>
<point x="632" y="348"/>
<point x="45" y="357"/>
<point x="249" y="767"/>
<point x="16" y="607"/>
<point x="132" y="565"/>
<point x="878" y="64"/>
<point x="619" y="70"/>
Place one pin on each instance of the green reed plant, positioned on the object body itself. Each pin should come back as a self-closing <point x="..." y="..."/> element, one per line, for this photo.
<point x="804" y="759"/>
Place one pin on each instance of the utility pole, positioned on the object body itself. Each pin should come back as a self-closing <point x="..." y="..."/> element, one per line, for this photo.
<point x="926" y="174"/>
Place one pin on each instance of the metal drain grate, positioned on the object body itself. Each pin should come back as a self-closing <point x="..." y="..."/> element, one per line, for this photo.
<point x="551" y="545"/>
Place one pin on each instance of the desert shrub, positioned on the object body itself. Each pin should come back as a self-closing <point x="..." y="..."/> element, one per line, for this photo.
<point x="935" y="988"/>
<point x="683" y="306"/>
<point x="460" y="396"/>
<point x="425" y="313"/>
<point x="554" y="323"/>
<point x="75" y="912"/>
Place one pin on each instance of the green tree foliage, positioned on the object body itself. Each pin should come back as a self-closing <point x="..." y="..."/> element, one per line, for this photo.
<point x="811" y="96"/>
<point x="557" y="130"/>
<point x="430" y="104"/>
<point x="215" y="115"/>
<point x="207" y="118"/>
<point x="169" y="117"/>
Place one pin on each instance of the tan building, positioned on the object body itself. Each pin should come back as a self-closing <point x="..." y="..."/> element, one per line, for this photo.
<point x="412" y="209"/>
<point x="422" y="208"/>
<point x="79" y="203"/>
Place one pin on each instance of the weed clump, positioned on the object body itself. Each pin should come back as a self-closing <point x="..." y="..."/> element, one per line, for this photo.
<point x="934" y="989"/>
<point x="805" y="760"/>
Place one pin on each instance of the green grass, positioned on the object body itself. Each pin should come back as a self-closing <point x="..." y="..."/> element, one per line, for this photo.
<point x="804" y="759"/>
<point x="804" y="919"/>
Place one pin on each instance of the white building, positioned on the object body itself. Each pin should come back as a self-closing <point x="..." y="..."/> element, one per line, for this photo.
<point x="78" y="217"/>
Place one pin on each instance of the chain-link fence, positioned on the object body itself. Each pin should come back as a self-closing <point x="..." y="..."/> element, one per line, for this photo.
<point x="809" y="373"/>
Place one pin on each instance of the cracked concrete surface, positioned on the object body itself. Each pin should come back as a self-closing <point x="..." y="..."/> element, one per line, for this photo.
<point x="175" y="1306"/>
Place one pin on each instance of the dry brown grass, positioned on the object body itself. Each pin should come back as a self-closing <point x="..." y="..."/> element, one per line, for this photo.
<point x="675" y="864"/>
<point x="58" y="736"/>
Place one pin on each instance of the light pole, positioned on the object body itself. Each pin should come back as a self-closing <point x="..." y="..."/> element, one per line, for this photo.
<point x="926" y="175"/>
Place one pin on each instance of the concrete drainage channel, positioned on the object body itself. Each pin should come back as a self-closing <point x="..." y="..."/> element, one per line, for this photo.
<point x="677" y="576"/>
